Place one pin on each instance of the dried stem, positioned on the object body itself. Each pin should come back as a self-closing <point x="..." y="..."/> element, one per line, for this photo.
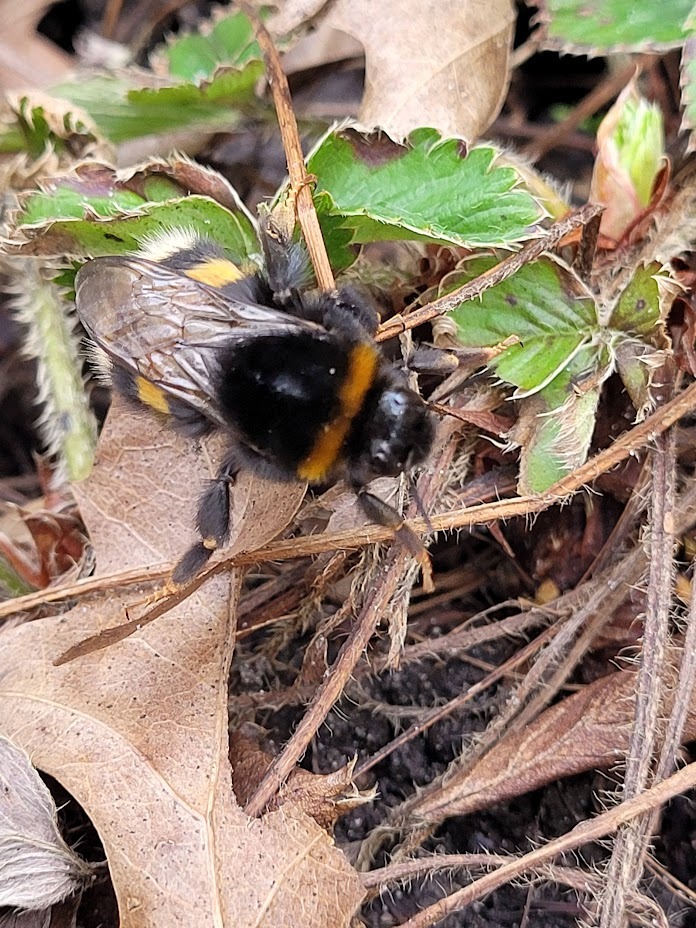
<point x="626" y="863"/>
<point x="581" y="881"/>
<point x="496" y="275"/>
<point x="300" y="181"/>
<point x="591" y="830"/>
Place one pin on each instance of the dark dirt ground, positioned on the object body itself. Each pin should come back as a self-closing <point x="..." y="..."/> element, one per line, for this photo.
<point x="253" y="161"/>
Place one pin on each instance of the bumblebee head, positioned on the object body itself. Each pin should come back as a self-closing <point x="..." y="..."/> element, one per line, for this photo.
<point x="395" y="436"/>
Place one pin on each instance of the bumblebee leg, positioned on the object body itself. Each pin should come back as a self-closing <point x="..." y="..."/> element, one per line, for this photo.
<point x="384" y="514"/>
<point x="427" y="360"/>
<point x="348" y="310"/>
<point x="377" y="510"/>
<point x="213" y="522"/>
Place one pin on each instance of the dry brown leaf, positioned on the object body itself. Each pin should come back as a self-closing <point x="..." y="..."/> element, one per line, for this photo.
<point x="439" y="63"/>
<point x="324" y="797"/>
<point x="137" y="733"/>
<point x="27" y="59"/>
<point x="585" y="731"/>
<point x="37" y="868"/>
<point x="291" y="14"/>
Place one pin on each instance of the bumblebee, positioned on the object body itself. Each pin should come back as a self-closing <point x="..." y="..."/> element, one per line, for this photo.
<point x="295" y="379"/>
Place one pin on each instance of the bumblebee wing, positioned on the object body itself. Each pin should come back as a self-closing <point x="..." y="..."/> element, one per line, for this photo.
<point x="168" y="329"/>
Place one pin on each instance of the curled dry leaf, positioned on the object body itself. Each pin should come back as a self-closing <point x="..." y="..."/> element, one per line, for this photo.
<point x="323" y="797"/>
<point x="137" y="733"/>
<point x="585" y="731"/>
<point x="440" y="63"/>
<point x="37" y="868"/>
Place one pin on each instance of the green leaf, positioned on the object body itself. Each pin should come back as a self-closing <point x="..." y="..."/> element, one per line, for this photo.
<point x="191" y="57"/>
<point x="66" y="203"/>
<point x="638" y="309"/>
<point x="338" y="242"/>
<point x="95" y="211"/>
<point x="636" y="364"/>
<point x="426" y="190"/>
<point x="90" y="237"/>
<point x="11" y="584"/>
<point x="12" y="139"/>
<point x="530" y="365"/>
<point x="543" y="305"/>
<point x="599" y="26"/>
<point x="556" y="425"/>
<point x="123" y="109"/>
<point x="44" y="123"/>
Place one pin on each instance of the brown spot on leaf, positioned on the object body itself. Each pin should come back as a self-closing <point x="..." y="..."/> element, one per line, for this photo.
<point x="374" y="149"/>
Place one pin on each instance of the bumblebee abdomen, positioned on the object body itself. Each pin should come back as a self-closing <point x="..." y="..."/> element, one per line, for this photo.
<point x="292" y="398"/>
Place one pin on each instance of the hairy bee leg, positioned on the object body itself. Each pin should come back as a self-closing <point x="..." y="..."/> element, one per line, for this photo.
<point x="213" y="521"/>
<point x="377" y="510"/>
<point x="383" y="514"/>
<point x="349" y="310"/>
<point x="428" y="360"/>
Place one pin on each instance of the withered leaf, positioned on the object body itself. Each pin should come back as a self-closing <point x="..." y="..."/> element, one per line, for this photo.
<point x="588" y="730"/>
<point x="324" y="797"/>
<point x="137" y="733"/>
<point x="443" y="65"/>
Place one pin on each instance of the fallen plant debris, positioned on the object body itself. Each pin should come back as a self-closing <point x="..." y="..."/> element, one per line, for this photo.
<point x="338" y="721"/>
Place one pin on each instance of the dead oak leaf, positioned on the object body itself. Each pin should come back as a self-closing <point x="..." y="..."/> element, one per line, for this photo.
<point x="28" y="59"/>
<point x="137" y="733"/>
<point x="324" y="797"/>
<point x="437" y="63"/>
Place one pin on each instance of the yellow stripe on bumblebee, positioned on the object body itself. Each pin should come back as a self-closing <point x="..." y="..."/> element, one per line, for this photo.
<point x="362" y="366"/>
<point x="151" y="395"/>
<point x="215" y="272"/>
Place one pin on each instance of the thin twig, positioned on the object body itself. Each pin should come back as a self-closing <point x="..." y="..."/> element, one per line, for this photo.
<point x="588" y="247"/>
<point x="112" y="11"/>
<point x="588" y="106"/>
<point x="82" y="588"/>
<point x="627" y="444"/>
<point x="397" y="562"/>
<point x="300" y="181"/>
<point x="330" y="690"/>
<point x="532" y="250"/>
<point x="626" y="864"/>
<point x="581" y="881"/>
<point x="584" y="833"/>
